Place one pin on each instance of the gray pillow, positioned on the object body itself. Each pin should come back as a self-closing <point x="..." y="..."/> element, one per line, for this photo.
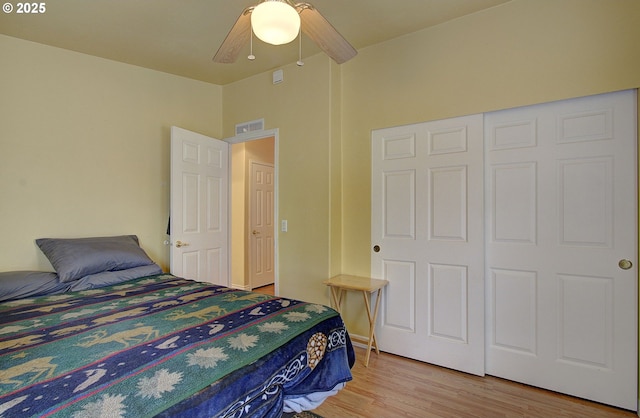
<point x="24" y="284"/>
<point x="73" y="258"/>
<point x="108" y="278"/>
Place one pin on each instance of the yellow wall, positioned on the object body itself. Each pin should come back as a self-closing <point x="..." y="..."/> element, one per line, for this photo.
<point x="84" y="148"/>
<point x="300" y="108"/>
<point x="238" y="204"/>
<point x="519" y="53"/>
<point x="84" y="142"/>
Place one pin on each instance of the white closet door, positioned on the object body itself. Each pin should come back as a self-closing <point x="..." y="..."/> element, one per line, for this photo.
<point x="561" y="204"/>
<point x="427" y="222"/>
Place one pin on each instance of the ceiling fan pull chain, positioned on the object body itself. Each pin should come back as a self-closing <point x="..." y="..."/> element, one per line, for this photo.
<point x="251" y="57"/>
<point x="300" y="63"/>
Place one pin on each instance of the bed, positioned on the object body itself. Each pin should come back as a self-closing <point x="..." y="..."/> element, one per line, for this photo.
<point x="109" y="334"/>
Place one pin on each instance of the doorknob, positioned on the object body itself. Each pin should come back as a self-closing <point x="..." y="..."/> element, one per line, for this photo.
<point x="625" y="264"/>
<point x="256" y="232"/>
<point x="376" y="248"/>
<point x="180" y="244"/>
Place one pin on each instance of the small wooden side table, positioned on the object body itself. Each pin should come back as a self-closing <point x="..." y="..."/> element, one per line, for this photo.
<point x="339" y="286"/>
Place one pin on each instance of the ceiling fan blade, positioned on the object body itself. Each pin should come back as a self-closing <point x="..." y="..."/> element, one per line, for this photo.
<point x="316" y="27"/>
<point x="236" y="39"/>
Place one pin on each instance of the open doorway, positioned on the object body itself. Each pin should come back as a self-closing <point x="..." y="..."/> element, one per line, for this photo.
<point x="253" y="211"/>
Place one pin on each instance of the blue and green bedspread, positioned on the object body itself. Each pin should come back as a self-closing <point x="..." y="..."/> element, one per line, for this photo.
<point x="166" y="346"/>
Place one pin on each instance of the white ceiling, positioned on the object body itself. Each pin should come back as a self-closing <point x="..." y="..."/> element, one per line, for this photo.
<point x="181" y="36"/>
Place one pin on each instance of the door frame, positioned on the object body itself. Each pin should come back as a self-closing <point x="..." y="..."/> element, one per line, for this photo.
<point x="252" y="136"/>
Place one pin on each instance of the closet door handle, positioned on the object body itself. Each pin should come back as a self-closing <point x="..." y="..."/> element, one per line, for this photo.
<point x="180" y="244"/>
<point x="625" y="264"/>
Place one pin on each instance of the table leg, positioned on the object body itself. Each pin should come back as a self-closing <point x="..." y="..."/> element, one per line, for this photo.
<point x="372" y="324"/>
<point x="373" y="320"/>
<point x="336" y="294"/>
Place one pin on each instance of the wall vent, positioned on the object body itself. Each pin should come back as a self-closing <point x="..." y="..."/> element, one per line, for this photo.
<point x="254" y="125"/>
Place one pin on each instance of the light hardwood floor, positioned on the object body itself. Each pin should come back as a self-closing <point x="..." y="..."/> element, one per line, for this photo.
<point x="396" y="387"/>
<point x="268" y="289"/>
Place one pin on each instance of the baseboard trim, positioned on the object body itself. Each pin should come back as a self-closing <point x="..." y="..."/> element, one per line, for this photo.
<point x="359" y="340"/>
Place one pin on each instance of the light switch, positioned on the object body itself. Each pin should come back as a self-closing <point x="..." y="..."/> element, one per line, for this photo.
<point x="284" y="226"/>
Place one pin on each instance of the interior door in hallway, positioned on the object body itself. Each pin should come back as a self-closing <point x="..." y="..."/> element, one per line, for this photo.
<point x="199" y="207"/>
<point x="561" y="204"/>
<point x="428" y="241"/>
<point x="261" y="228"/>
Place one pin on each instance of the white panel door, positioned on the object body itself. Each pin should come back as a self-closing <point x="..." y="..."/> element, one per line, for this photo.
<point x="561" y="199"/>
<point x="261" y="228"/>
<point x="427" y="237"/>
<point x="199" y="207"/>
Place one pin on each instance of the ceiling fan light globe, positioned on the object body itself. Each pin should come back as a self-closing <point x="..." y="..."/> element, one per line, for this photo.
<point x="275" y="22"/>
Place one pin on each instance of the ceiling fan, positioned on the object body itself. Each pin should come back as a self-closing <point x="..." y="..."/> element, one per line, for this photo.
<point x="303" y="16"/>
